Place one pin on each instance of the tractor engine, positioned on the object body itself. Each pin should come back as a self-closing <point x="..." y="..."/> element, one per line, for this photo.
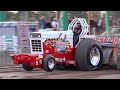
<point x="50" y="42"/>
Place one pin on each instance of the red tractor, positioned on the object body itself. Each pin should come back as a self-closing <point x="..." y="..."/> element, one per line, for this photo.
<point x="61" y="49"/>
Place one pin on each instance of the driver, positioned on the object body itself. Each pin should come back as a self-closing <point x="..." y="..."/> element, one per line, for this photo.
<point x="77" y="31"/>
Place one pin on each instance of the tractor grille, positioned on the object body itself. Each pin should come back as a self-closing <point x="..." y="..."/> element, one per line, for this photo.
<point x="36" y="45"/>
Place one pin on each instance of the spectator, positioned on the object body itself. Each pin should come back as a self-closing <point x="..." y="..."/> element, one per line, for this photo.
<point x="42" y="22"/>
<point x="69" y="20"/>
<point x="48" y="24"/>
<point x="93" y="26"/>
<point x="111" y="21"/>
<point x="54" y="24"/>
<point x="101" y="23"/>
<point x="93" y="23"/>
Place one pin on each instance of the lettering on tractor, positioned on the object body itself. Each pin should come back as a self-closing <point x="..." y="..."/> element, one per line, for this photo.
<point x="52" y="50"/>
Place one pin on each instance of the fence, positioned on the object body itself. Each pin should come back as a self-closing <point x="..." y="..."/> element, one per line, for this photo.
<point x="9" y="45"/>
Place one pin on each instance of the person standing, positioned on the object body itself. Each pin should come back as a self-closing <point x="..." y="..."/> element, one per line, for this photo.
<point x="54" y="24"/>
<point x="48" y="24"/>
<point x="69" y="20"/>
<point x="42" y="22"/>
<point x="111" y="21"/>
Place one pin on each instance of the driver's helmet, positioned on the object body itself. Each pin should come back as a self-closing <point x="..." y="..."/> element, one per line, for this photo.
<point x="78" y="25"/>
<point x="77" y="28"/>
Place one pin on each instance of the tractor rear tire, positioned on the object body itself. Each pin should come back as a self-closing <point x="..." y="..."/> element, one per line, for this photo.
<point x="88" y="55"/>
<point x="27" y="67"/>
<point x="49" y="63"/>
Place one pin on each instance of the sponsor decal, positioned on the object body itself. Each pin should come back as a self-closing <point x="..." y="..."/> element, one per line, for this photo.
<point x="60" y="59"/>
<point x="23" y="57"/>
<point x="59" y="44"/>
<point x="114" y="40"/>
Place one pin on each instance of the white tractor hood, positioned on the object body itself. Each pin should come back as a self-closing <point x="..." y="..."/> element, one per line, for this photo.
<point x="56" y="34"/>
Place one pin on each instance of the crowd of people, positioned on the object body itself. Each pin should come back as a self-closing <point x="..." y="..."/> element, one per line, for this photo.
<point x="50" y="23"/>
<point x="96" y="24"/>
<point x="99" y="24"/>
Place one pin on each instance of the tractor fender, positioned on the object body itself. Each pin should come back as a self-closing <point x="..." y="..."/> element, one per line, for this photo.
<point x="106" y="54"/>
<point x="107" y="50"/>
<point x="110" y="45"/>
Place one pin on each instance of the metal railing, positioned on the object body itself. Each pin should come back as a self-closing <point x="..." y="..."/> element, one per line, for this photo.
<point x="14" y="49"/>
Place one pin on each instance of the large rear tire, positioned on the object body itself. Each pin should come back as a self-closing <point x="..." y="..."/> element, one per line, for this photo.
<point x="27" y="67"/>
<point x="49" y="63"/>
<point x="88" y="55"/>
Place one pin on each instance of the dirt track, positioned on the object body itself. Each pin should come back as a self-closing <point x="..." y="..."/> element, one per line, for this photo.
<point x="16" y="72"/>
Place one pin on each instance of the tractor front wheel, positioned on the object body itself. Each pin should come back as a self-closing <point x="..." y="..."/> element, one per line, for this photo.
<point x="49" y="63"/>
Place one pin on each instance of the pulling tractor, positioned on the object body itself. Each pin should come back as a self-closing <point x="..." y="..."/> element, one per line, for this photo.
<point x="52" y="50"/>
